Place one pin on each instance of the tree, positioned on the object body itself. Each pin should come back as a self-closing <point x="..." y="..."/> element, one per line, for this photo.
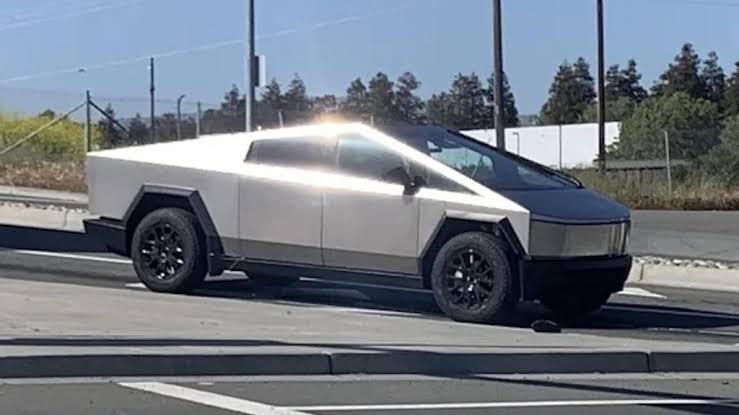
<point x="48" y="114"/>
<point x="439" y="109"/>
<point x="730" y="101"/>
<point x="571" y="93"/>
<point x="690" y="123"/>
<point x="111" y="135"/>
<point x="296" y="98"/>
<point x="682" y="75"/>
<point x="722" y="161"/>
<point x="714" y="79"/>
<point x="624" y="83"/>
<point x="382" y="98"/>
<point x="408" y="106"/>
<point x="138" y="131"/>
<point x="272" y="96"/>
<point x="357" y="103"/>
<point x="510" y="112"/>
<point x="617" y="109"/>
<point x="466" y="103"/>
<point x="325" y="103"/>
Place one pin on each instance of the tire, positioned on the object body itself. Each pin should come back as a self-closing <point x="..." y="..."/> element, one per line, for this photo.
<point x="266" y="280"/>
<point x="575" y="303"/>
<point x="482" y="294"/>
<point x="168" y="251"/>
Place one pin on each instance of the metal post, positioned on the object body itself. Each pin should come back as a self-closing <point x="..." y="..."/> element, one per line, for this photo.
<point x="498" y="76"/>
<point x="179" y="116"/>
<point x="667" y="161"/>
<point x="559" y="140"/>
<point x="152" y="96"/>
<point x="88" y="122"/>
<point x="197" y="120"/>
<point x="279" y="117"/>
<point x="518" y="142"/>
<point x="601" y="92"/>
<point x="249" y="64"/>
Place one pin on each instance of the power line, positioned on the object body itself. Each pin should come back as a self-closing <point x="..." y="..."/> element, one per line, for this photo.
<point x="202" y="48"/>
<point x="67" y="15"/>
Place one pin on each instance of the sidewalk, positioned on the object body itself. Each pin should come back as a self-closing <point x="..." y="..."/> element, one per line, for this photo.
<point x="51" y="329"/>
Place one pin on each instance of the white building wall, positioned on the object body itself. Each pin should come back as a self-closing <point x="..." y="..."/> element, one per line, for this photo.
<point x="565" y="146"/>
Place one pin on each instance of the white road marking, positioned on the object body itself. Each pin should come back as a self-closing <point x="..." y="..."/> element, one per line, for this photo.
<point x="214" y="400"/>
<point x="137" y="285"/>
<point x="368" y="311"/>
<point x="527" y="404"/>
<point x="640" y="292"/>
<point x="73" y="256"/>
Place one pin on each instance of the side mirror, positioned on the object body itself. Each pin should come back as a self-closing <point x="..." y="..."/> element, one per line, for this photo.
<point x="400" y="176"/>
<point x="416" y="185"/>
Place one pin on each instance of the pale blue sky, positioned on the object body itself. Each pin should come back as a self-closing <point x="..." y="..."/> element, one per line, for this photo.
<point x="330" y="42"/>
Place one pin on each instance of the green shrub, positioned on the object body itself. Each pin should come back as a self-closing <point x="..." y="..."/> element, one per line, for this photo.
<point x="62" y="141"/>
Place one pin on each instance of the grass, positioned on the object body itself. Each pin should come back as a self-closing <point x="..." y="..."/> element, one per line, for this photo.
<point x="57" y="175"/>
<point x="690" y="191"/>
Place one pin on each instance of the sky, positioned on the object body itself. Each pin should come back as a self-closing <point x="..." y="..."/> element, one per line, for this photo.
<point x="199" y="49"/>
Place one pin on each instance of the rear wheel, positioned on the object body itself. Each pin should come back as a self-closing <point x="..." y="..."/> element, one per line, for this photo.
<point x="575" y="302"/>
<point x="471" y="279"/>
<point x="168" y="251"/>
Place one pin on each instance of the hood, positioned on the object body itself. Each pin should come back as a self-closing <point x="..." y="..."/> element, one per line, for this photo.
<point x="568" y="205"/>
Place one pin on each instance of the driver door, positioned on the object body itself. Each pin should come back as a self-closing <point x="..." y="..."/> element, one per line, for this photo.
<point x="368" y="223"/>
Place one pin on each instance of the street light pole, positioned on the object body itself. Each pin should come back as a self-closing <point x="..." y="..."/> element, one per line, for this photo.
<point x="152" y="97"/>
<point x="601" y="92"/>
<point x="249" y="65"/>
<point x="179" y="116"/>
<point x="498" y="75"/>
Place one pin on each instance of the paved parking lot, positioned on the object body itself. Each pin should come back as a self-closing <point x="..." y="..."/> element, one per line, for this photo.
<point x="646" y="394"/>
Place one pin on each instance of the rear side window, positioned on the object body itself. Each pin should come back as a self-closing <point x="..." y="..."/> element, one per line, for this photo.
<point x="316" y="153"/>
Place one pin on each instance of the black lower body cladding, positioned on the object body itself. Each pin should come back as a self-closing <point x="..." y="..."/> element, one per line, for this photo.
<point x="589" y="274"/>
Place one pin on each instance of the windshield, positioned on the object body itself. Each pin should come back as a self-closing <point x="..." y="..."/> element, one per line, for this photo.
<point x="493" y="168"/>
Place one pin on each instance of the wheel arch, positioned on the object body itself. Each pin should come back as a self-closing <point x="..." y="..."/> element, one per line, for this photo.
<point x="451" y="226"/>
<point x="152" y="197"/>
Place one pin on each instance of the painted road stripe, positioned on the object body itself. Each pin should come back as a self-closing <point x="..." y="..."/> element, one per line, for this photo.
<point x="214" y="400"/>
<point x="640" y="292"/>
<point x="510" y="405"/>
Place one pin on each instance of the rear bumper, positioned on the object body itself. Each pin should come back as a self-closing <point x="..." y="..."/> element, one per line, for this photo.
<point x="545" y="275"/>
<point x="110" y="233"/>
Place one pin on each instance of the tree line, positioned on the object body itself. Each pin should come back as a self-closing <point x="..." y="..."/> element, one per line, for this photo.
<point x="693" y="98"/>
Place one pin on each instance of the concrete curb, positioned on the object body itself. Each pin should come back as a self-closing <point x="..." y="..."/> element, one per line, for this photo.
<point x="57" y="219"/>
<point x="683" y="277"/>
<point x="341" y="363"/>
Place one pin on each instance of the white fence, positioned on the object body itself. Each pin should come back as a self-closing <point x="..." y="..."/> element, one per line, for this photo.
<point x="559" y="146"/>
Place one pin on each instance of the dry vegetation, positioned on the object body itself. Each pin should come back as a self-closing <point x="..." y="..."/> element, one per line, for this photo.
<point x="60" y="175"/>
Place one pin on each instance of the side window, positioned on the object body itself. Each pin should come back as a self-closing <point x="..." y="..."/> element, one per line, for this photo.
<point x="362" y="157"/>
<point x="314" y="153"/>
<point x="437" y="181"/>
<point x="470" y="163"/>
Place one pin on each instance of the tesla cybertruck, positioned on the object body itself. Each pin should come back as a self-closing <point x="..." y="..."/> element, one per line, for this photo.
<point x="415" y="206"/>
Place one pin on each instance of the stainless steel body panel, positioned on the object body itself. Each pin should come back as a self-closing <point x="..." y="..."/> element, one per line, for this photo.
<point x="374" y="230"/>
<point x="280" y="220"/>
<point x="114" y="184"/>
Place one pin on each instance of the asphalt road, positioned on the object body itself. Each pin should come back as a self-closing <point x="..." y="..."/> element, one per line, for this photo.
<point x="603" y="395"/>
<point x="703" y="235"/>
<point x="640" y="312"/>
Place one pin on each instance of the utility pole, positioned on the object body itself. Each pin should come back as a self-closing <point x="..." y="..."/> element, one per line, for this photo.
<point x="88" y="122"/>
<point x="601" y="92"/>
<point x="498" y="75"/>
<point x="249" y="65"/>
<point x="151" y="95"/>
<point x="197" y="120"/>
<point x="179" y="116"/>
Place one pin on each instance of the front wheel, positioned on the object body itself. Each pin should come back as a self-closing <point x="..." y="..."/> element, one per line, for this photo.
<point x="168" y="252"/>
<point x="472" y="280"/>
<point x="576" y="302"/>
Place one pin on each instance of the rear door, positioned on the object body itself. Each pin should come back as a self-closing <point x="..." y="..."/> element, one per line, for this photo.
<point x="279" y="207"/>
<point x="368" y="223"/>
